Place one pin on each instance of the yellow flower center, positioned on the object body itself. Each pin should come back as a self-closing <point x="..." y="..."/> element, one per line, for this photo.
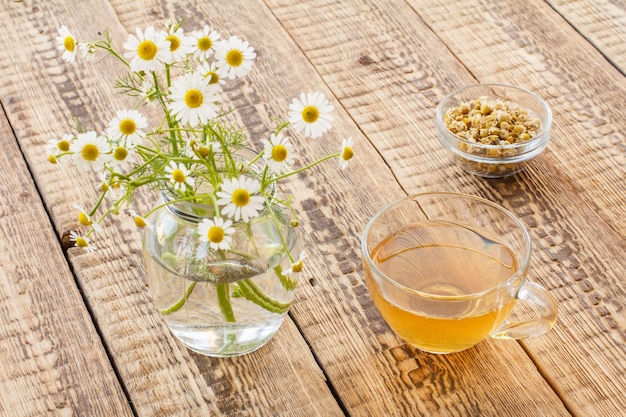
<point x="179" y="176"/>
<point x="52" y="159"/>
<point x="310" y="114"/>
<point x="279" y="153"/>
<point x="63" y="145"/>
<point x="69" y="44"/>
<point x="193" y="98"/>
<point x="84" y="219"/>
<point x="241" y="197"/>
<point x="120" y="153"/>
<point x="90" y="152"/>
<point x="81" y="242"/>
<point x="234" y="58"/>
<point x="203" y="152"/>
<point x="297" y="267"/>
<point x="347" y="153"/>
<point x="147" y="50"/>
<point x="128" y="127"/>
<point x="140" y="221"/>
<point x="174" y="42"/>
<point x="214" y="78"/>
<point x="205" y="43"/>
<point x="215" y="234"/>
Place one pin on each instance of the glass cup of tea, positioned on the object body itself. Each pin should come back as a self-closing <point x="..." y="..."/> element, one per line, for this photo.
<point x="445" y="270"/>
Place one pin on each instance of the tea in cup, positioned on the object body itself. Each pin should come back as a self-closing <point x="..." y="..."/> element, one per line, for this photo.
<point x="445" y="270"/>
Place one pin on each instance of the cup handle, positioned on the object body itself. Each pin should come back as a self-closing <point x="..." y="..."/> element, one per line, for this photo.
<point x="546" y="304"/>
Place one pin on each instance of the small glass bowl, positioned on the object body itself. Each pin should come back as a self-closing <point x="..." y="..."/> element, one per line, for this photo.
<point x="502" y="159"/>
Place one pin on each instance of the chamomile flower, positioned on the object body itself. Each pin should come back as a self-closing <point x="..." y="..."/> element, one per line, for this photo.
<point x="239" y="195"/>
<point x="90" y="151"/>
<point x="213" y="74"/>
<point x="60" y="145"/>
<point x="140" y="221"/>
<point x="236" y="56"/>
<point x="114" y="189"/>
<point x="311" y="114"/>
<point x="203" y="42"/>
<point x="297" y="266"/>
<point x="148" y="92"/>
<point x="193" y="99"/>
<point x="147" y="51"/>
<point x="179" y="175"/>
<point x="277" y="153"/>
<point x="122" y="157"/>
<point x="87" y="50"/>
<point x="126" y="127"/>
<point x="85" y="219"/>
<point x="81" y="242"/>
<point x="180" y="45"/>
<point x="67" y="43"/>
<point x="216" y="233"/>
<point x="202" y="149"/>
<point x="346" y="153"/>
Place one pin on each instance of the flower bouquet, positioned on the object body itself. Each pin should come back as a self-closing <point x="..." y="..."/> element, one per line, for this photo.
<point x="222" y="250"/>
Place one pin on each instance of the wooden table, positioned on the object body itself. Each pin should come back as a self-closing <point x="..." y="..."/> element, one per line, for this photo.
<point x="78" y="332"/>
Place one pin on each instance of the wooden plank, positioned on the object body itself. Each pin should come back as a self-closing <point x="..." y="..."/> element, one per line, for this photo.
<point x="161" y="377"/>
<point x="53" y="360"/>
<point x="390" y="74"/>
<point x="584" y="91"/>
<point x="602" y="22"/>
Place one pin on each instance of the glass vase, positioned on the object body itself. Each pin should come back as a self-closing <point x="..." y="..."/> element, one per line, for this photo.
<point x="220" y="302"/>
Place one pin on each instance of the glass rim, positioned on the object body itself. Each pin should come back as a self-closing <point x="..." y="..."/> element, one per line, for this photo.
<point x="504" y="284"/>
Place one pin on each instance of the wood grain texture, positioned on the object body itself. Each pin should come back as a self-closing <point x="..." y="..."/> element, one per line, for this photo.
<point x="602" y="22"/>
<point x="385" y="65"/>
<point x="584" y="91"/>
<point x="53" y="360"/>
<point x="161" y="376"/>
<point x="391" y="73"/>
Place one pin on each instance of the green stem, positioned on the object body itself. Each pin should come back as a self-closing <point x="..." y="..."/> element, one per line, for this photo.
<point x="251" y="292"/>
<point x="181" y="302"/>
<point x="304" y="168"/>
<point x="223" y="298"/>
<point x="285" y="281"/>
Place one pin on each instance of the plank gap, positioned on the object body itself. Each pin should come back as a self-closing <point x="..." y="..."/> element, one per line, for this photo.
<point x="71" y="267"/>
<point x="587" y="38"/>
<point x="549" y="381"/>
<point x="331" y="387"/>
<point x="436" y="35"/>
